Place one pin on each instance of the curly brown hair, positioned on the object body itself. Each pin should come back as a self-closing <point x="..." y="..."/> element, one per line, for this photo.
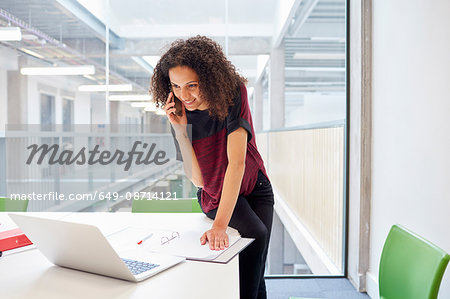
<point x="219" y="81"/>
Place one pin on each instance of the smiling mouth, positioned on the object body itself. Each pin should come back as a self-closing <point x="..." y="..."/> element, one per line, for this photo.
<point x="189" y="102"/>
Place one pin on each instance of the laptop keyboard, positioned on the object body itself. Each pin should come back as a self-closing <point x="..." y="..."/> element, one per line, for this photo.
<point x="137" y="267"/>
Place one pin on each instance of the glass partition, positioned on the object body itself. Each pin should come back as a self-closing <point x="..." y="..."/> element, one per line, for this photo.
<point x="78" y="76"/>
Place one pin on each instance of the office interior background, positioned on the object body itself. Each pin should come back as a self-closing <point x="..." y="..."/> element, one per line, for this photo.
<point x="349" y="102"/>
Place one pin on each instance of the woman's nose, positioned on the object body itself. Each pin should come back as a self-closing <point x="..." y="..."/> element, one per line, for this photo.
<point x="184" y="94"/>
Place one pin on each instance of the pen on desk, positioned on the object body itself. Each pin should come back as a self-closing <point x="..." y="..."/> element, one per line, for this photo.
<point x="145" y="239"/>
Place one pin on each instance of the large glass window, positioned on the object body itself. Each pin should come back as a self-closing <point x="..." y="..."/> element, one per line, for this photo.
<point x="293" y="54"/>
<point x="304" y="143"/>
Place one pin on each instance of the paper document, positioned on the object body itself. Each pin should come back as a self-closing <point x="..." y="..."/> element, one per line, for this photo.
<point x="129" y="237"/>
<point x="188" y="245"/>
<point x="183" y="243"/>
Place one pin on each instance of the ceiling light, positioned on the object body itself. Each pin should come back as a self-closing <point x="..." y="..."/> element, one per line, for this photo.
<point x="130" y="97"/>
<point x="111" y="87"/>
<point x="29" y="52"/>
<point x="10" y="34"/>
<point x="319" y="56"/>
<point x="72" y="70"/>
<point x="152" y="60"/>
<point x="90" y="77"/>
<point x="29" y="37"/>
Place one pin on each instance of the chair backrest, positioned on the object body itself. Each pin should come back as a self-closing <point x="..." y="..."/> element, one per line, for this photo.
<point x="186" y="205"/>
<point x="410" y="266"/>
<point x="10" y="205"/>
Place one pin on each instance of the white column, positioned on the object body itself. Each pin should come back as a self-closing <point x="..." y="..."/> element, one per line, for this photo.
<point x="258" y="106"/>
<point x="276" y="88"/>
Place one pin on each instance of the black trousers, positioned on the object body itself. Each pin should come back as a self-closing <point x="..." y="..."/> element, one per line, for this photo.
<point x="252" y="217"/>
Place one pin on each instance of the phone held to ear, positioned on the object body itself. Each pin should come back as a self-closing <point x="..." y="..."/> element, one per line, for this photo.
<point x="177" y="102"/>
<point x="178" y="106"/>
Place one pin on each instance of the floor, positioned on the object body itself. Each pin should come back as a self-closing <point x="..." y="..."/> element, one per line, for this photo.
<point x="326" y="288"/>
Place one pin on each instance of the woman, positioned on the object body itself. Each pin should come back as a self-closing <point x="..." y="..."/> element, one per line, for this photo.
<point x="215" y="139"/>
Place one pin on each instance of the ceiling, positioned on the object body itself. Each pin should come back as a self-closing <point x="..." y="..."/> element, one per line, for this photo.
<point x="73" y="32"/>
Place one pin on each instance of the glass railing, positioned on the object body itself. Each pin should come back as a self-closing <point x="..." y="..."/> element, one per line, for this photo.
<point x="306" y="166"/>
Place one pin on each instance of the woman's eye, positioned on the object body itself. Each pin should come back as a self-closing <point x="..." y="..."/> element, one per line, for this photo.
<point x="192" y="85"/>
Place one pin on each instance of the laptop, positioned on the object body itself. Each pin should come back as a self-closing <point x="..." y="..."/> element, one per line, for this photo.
<point x="83" y="247"/>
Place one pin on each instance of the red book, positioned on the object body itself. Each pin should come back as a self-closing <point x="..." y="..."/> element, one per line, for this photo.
<point x="13" y="238"/>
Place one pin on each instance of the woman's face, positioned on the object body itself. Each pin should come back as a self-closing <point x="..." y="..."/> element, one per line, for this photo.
<point x="185" y="85"/>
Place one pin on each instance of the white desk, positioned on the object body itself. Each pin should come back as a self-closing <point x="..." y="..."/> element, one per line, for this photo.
<point x="29" y="274"/>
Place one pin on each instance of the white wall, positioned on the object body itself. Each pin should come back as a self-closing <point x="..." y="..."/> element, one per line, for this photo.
<point x="411" y="124"/>
<point x="82" y="108"/>
<point x="98" y="108"/>
<point x="33" y="102"/>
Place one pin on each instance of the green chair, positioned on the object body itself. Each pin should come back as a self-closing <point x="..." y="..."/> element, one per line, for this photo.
<point x="166" y="206"/>
<point x="410" y="266"/>
<point x="10" y="205"/>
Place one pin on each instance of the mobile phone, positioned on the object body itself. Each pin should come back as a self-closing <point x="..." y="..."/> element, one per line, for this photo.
<point x="177" y="102"/>
<point x="178" y="106"/>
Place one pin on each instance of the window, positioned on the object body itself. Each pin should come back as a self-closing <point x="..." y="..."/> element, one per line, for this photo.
<point x="47" y="112"/>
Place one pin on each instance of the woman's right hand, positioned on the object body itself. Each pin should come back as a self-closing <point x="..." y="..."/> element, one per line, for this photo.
<point x="169" y="108"/>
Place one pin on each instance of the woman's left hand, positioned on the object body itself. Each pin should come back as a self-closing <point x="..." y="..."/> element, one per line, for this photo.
<point x="216" y="237"/>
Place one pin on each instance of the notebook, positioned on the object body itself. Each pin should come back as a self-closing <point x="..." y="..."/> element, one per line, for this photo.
<point x="83" y="247"/>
